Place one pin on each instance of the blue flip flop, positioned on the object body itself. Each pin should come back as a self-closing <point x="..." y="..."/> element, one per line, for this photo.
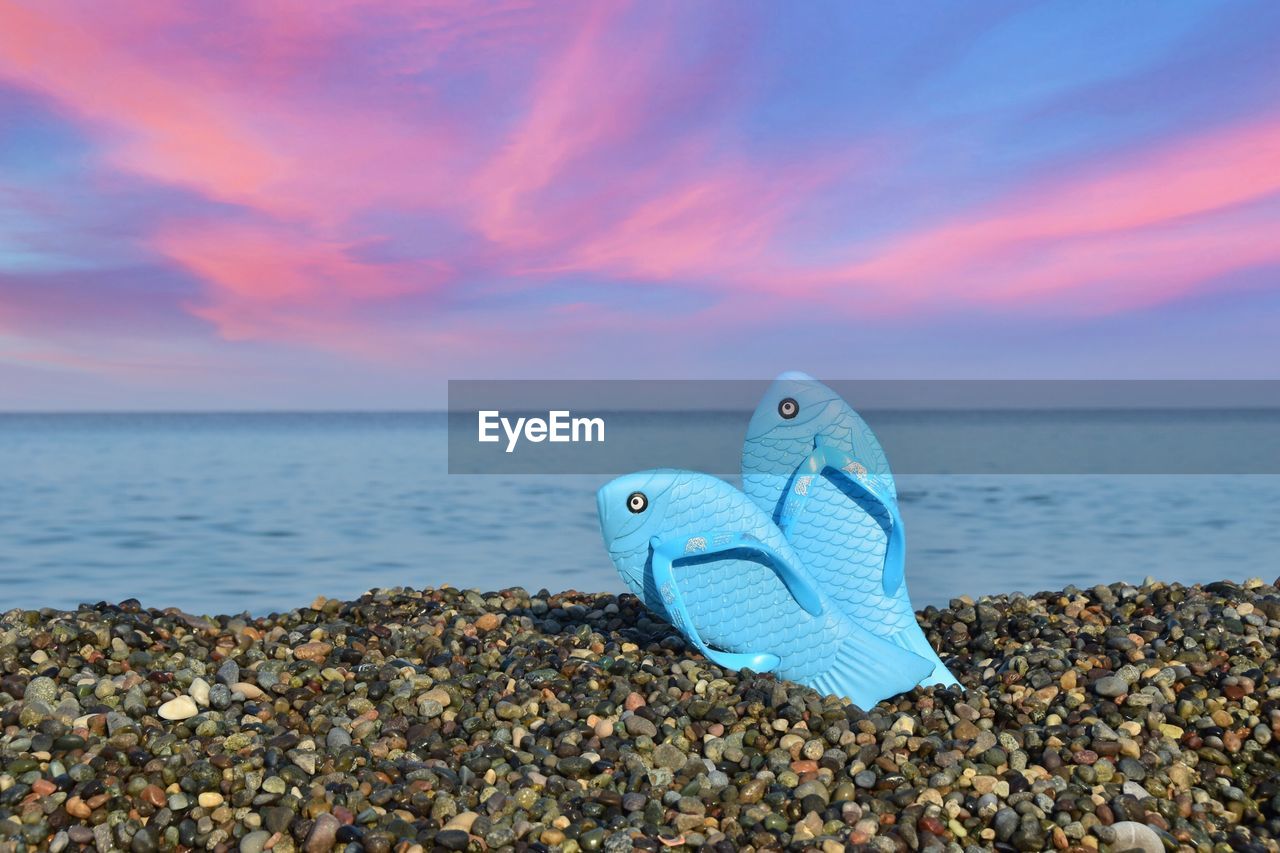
<point x="704" y="557"/>
<point x="814" y="466"/>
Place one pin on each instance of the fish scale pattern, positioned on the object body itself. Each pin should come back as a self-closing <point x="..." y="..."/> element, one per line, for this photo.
<point x="840" y="536"/>
<point x="694" y="505"/>
<point x="739" y="604"/>
<point x="841" y="539"/>
<point x="769" y="461"/>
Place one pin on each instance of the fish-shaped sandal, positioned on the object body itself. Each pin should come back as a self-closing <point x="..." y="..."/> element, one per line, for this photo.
<point x="815" y="467"/>
<point x="701" y="555"/>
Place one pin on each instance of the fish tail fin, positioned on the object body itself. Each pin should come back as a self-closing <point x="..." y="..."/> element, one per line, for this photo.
<point x="867" y="669"/>
<point x="913" y="640"/>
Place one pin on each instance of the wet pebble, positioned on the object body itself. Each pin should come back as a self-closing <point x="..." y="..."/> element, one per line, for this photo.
<point x="179" y="708"/>
<point x="419" y="719"/>
<point x="1110" y="686"/>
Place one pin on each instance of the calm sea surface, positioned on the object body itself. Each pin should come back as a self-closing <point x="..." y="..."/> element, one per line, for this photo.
<point x="227" y="513"/>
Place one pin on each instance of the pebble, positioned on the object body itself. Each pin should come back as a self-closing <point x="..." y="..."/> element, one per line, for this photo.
<point x="323" y="835"/>
<point x="454" y="839"/>
<point x="78" y="808"/>
<point x="315" y="651"/>
<point x="669" y="756"/>
<point x="248" y="691"/>
<point x="336" y="739"/>
<point x="447" y="719"/>
<point x="1133" y="836"/>
<point x="1110" y="686"/>
<point x="41" y="689"/>
<point x="219" y="697"/>
<point x="637" y="726"/>
<point x="255" y="842"/>
<point x="228" y="672"/>
<point x="199" y="692"/>
<point x="179" y="708"/>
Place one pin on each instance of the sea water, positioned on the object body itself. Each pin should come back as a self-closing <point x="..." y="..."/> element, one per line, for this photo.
<point x="227" y="513"/>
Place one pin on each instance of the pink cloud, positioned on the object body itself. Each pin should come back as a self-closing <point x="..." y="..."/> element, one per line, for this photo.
<point x="229" y="108"/>
<point x="235" y="131"/>
<point x="278" y="282"/>
<point x="591" y="105"/>
<point x="568" y="114"/>
<point x="1137" y="228"/>
<point x="563" y="139"/>
<point x="177" y="98"/>
<point x="717" y="224"/>
<point x="158" y="127"/>
<point x="1112" y="272"/>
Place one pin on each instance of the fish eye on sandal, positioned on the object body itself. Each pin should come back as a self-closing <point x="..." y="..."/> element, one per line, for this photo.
<point x="637" y="502"/>
<point x="788" y="408"/>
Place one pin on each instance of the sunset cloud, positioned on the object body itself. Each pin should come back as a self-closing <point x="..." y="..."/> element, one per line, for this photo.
<point x="1160" y="215"/>
<point x="404" y="183"/>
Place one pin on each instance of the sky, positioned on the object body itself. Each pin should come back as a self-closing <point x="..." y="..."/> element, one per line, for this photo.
<point x="337" y="205"/>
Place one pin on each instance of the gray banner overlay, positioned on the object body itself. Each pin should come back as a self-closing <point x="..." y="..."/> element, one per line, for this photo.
<point x="1120" y="427"/>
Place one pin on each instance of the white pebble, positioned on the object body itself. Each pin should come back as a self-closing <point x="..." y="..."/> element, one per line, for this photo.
<point x="247" y="690"/>
<point x="1131" y="835"/>
<point x="180" y="708"/>
<point x="199" y="691"/>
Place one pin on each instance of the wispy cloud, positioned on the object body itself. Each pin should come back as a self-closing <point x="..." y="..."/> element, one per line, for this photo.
<point x="1127" y="231"/>
<point x="433" y="183"/>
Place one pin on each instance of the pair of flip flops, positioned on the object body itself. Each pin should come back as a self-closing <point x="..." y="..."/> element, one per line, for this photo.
<point x="801" y="575"/>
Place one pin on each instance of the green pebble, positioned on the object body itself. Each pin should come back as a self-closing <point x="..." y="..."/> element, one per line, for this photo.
<point x="775" y="822"/>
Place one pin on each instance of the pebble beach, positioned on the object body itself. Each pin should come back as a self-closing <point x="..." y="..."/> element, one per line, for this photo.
<point x="1117" y="717"/>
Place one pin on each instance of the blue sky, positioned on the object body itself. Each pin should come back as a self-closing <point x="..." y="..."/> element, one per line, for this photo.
<point x="333" y="205"/>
